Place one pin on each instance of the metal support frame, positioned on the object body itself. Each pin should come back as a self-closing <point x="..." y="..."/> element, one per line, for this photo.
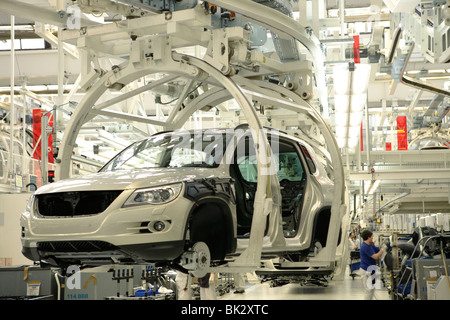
<point x="52" y="39"/>
<point x="278" y="22"/>
<point x="155" y="55"/>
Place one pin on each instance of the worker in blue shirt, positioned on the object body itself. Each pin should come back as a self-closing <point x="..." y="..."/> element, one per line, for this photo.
<point x="369" y="254"/>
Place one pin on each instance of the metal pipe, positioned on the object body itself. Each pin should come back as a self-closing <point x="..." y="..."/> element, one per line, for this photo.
<point x="394" y="46"/>
<point x="341" y="41"/>
<point x="342" y="23"/>
<point x="419" y="84"/>
<point x="60" y="68"/>
<point x="12" y="113"/>
<point x="44" y="148"/>
<point x="60" y="100"/>
<point x="24" y="130"/>
<point x="367" y="134"/>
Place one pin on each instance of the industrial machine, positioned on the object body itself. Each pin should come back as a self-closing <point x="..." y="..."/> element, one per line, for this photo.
<point x="424" y="266"/>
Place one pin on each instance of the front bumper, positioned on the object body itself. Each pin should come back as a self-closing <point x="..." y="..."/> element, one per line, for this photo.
<point x="115" y="235"/>
<point x="99" y="252"/>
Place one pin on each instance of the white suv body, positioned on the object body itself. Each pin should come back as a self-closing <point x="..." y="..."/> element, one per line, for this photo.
<point x="163" y="194"/>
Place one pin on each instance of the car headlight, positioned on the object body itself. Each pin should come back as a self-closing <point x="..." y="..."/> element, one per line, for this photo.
<point x="157" y="195"/>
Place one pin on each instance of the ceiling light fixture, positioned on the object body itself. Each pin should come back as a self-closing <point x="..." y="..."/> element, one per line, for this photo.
<point x="350" y="96"/>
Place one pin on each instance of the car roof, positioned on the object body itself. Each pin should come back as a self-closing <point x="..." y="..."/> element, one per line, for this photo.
<point x="239" y="127"/>
<point x="223" y="130"/>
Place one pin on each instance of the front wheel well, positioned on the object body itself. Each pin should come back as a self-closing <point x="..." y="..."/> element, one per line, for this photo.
<point x="211" y="222"/>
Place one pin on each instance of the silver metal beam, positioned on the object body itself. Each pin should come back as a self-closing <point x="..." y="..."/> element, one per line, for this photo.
<point x="408" y="159"/>
<point x="128" y="116"/>
<point x="137" y="91"/>
<point x="405" y="174"/>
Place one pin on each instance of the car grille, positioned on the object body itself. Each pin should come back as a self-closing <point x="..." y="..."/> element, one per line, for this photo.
<point x="75" y="246"/>
<point x="76" y="203"/>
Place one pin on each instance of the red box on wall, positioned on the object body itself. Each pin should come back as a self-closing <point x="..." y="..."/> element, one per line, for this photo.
<point x="402" y="133"/>
<point x="388" y="146"/>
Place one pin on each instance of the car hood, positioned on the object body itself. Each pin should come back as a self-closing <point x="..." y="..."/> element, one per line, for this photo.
<point x="130" y="179"/>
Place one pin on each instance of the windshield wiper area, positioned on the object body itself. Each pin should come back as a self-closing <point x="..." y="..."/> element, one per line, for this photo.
<point x="200" y="165"/>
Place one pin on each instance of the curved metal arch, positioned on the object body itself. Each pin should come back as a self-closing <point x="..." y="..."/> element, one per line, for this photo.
<point x="218" y="95"/>
<point x="339" y="205"/>
<point x="301" y="106"/>
<point x="120" y="75"/>
<point x="267" y="192"/>
<point x="213" y="96"/>
<point x="290" y="101"/>
<point x="296" y="104"/>
<point x="74" y="125"/>
<point x="190" y="66"/>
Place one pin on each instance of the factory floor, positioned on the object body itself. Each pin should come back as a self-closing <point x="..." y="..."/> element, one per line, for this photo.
<point x="344" y="288"/>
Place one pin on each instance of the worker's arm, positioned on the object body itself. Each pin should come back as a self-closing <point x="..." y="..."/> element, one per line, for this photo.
<point x="377" y="255"/>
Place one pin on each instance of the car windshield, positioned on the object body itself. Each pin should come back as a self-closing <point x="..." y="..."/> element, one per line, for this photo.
<point x="172" y="150"/>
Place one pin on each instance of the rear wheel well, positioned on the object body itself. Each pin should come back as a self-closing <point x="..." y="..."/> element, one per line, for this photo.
<point x="211" y="222"/>
<point x="320" y="228"/>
